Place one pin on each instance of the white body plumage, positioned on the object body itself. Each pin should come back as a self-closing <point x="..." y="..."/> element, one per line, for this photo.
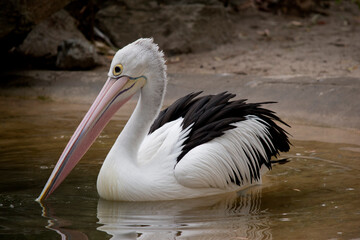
<point x="205" y="170"/>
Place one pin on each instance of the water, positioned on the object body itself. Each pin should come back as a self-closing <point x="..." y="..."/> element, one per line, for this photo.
<point x="315" y="196"/>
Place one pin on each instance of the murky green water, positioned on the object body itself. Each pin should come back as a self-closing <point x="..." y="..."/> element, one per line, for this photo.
<point x="315" y="196"/>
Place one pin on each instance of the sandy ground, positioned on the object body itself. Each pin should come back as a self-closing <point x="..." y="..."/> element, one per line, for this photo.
<point x="270" y="45"/>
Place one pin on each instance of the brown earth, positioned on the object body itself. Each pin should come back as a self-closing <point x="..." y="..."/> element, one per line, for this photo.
<point x="270" y="45"/>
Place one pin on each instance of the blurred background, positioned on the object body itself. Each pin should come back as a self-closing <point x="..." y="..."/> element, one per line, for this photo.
<point x="84" y="34"/>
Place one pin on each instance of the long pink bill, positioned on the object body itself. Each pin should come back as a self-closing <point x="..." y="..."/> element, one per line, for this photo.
<point x="113" y="95"/>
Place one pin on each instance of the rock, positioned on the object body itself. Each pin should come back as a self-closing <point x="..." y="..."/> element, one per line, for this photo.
<point x="76" y="54"/>
<point x="41" y="44"/>
<point x="17" y="18"/>
<point x="176" y="27"/>
<point x="45" y="38"/>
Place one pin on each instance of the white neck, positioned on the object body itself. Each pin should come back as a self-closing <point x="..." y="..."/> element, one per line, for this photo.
<point x="137" y="127"/>
<point x="148" y="107"/>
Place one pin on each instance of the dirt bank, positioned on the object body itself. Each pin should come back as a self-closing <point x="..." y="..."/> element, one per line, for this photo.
<point x="270" y="45"/>
<point x="320" y="101"/>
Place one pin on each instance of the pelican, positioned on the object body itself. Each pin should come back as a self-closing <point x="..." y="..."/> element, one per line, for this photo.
<point x="199" y="146"/>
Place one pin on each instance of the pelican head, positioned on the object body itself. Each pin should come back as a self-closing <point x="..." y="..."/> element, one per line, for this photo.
<point x="139" y="66"/>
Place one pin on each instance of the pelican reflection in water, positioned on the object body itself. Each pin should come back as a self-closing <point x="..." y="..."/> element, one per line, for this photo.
<point x="229" y="216"/>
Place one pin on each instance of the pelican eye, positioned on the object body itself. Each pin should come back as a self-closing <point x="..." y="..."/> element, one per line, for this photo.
<point x="117" y="70"/>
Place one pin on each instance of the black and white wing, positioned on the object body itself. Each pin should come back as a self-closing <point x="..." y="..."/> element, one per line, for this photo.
<point x="229" y="142"/>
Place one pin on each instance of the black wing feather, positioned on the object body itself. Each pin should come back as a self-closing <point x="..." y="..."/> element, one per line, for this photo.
<point x="210" y="116"/>
<point x="174" y="111"/>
